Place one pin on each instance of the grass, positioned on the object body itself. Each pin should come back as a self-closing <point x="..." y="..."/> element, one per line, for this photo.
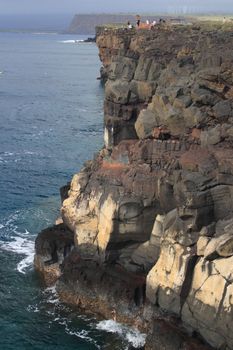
<point x="208" y="22"/>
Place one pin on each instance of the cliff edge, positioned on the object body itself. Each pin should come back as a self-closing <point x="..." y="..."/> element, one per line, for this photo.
<point x="147" y="226"/>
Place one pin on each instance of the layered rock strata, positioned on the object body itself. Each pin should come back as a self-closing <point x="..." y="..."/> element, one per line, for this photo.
<point x="152" y="214"/>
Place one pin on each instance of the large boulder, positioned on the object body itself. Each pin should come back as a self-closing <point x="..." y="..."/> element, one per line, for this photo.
<point x="208" y="307"/>
<point x="52" y="246"/>
<point x="146" y="122"/>
<point x="166" y="280"/>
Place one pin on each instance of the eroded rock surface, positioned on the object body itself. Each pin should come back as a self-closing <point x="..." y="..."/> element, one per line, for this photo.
<point x="52" y="246"/>
<point x="152" y="214"/>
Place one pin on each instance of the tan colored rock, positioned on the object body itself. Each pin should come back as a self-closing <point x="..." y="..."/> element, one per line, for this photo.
<point x="196" y="134"/>
<point x="86" y="231"/>
<point x="166" y="278"/>
<point x="106" y="224"/>
<point x="208" y="231"/>
<point x="146" y="122"/>
<point x="157" y="232"/>
<point x="58" y="221"/>
<point x="169" y="219"/>
<point x="210" y="293"/>
<point x="108" y="138"/>
<point x="209" y="307"/>
<point x="180" y="227"/>
<point x="224" y="267"/>
<point x="75" y="210"/>
<point x="175" y="123"/>
<point x="161" y="106"/>
<point x="201" y="245"/>
<point x="78" y="183"/>
<point x="202" y="282"/>
<point x="146" y="255"/>
<point x="81" y="214"/>
<point x="225" y="248"/>
<point x="222" y="245"/>
<point x="144" y="90"/>
<point x="134" y="222"/>
<point x="169" y="116"/>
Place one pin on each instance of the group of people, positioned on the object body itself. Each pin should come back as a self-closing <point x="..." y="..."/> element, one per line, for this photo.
<point x="145" y="25"/>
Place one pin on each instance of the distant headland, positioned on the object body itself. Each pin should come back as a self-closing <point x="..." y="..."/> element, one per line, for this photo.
<point x="86" y="23"/>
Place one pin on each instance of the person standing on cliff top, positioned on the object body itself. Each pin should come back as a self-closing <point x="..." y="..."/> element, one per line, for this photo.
<point x="138" y="20"/>
<point x="129" y="25"/>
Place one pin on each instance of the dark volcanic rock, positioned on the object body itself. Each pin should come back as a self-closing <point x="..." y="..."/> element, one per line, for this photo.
<point x="152" y="214"/>
<point x="111" y="287"/>
<point x="52" y="246"/>
<point x="64" y="192"/>
<point x="90" y="40"/>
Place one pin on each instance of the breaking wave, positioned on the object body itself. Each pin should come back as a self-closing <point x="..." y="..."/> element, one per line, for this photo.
<point x="16" y="235"/>
<point x="72" y="41"/>
<point x="21" y="246"/>
<point x="131" y="335"/>
<point x="60" y="314"/>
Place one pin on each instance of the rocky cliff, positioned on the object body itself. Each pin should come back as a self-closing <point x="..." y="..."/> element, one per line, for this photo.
<point x="147" y="227"/>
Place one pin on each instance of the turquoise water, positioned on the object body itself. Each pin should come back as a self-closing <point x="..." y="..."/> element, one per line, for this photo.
<point x="50" y="123"/>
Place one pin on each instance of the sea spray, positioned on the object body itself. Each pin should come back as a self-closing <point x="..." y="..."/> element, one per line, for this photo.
<point x="131" y="335"/>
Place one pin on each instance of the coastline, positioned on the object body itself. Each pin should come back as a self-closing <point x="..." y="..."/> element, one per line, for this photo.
<point x="150" y="215"/>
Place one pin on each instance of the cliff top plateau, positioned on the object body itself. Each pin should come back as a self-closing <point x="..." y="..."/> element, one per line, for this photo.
<point x="86" y="23"/>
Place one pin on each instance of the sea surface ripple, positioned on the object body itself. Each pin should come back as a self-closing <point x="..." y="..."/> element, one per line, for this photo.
<point x="51" y="122"/>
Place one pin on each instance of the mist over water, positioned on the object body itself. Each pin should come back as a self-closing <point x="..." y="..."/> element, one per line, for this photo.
<point x="36" y="22"/>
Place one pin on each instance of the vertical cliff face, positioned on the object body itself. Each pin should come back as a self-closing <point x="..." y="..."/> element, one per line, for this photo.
<point x="152" y="214"/>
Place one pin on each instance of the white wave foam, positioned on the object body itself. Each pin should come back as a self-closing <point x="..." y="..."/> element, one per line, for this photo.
<point x="33" y="308"/>
<point x="51" y="290"/>
<point x="21" y="246"/>
<point x="132" y="335"/>
<point x="30" y="153"/>
<point x="51" y="295"/>
<point x="53" y="301"/>
<point x="7" y="157"/>
<point x="71" y="41"/>
<point x="16" y="236"/>
<point x="44" y="33"/>
<point x="83" y="334"/>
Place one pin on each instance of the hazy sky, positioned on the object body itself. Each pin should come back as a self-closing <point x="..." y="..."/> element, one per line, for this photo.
<point x="87" y="6"/>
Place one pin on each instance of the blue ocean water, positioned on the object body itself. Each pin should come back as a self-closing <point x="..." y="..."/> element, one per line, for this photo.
<point x="51" y="121"/>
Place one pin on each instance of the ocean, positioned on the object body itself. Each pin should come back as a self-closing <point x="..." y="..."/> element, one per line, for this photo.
<point x="51" y="122"/>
